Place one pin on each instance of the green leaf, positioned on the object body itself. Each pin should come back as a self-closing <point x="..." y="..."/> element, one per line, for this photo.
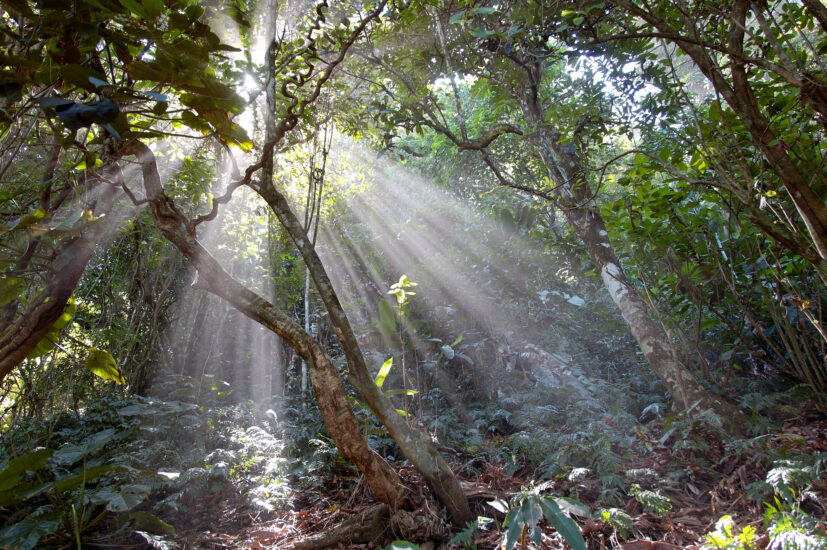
<point x="82" y="77"/>
<point x="531" y="514"/>
<point x="71" y="453"/>
<point x="98" y="83"/>
<point x="27" y="220"/>
<point x="10" y="289"/>
<point x="134" y="7"/>
<point x="51" y="102"/>
<point x="161" y="98"/>
<point x="457" y="17"/>
<point x="45" y="345"/>
<point x="387" y="319"/>
<point x="66" y="316"/>
<point x="447" y="351"/>
<point x="393" y="393"/>
<point x="120" y="501"/>
<point x="152" y="523"/>
<point x="564" y="524"/>
<point x="383" y="372"/>
<point x="35" y="460"/>
<point x="715" y="112"/>
<point x="25" y="534"/>
<point x="194" y="12"/>
<point x="573" y="507"/>
<point x="153" y="8"/>
<point x="85" y="476"/>
<point x="481" y="33"/>
<point x="401" y="545"/>
<point x="103" y="364"/>
<point x="514" y="521"/>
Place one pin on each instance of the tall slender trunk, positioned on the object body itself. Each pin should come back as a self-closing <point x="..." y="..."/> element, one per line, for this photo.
<point x="415" y="444"/>
<point x="566" y="170"/>
<point x="327" y="384"/>
<point x="306" y="329"/>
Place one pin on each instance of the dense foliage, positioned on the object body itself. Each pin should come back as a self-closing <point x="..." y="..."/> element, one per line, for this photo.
<point x="574" y="253"/>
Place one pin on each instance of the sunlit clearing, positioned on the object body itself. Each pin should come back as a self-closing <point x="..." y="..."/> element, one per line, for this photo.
<point x="476" y="277"/>
<point x="211" y="337"/>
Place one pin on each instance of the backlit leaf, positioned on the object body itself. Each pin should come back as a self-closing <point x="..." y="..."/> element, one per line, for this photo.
<point x="103" y="364"/>
<point x="153" y="8"/>
<point x="10" y="289"/>
<point x="383" y="372"/>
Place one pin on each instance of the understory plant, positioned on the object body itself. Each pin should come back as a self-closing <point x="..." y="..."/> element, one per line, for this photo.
<point x="126" y="465"/>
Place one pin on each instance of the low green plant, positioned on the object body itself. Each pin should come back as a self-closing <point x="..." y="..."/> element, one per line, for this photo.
<point x="133" y="460"/>
<point x="48" y="489"/>
<point x="618" y="520"/>
<point x="789" y="526"/>
<point x="401" y="545"/>
<point x="465" y="537"/>
<point x="725" y="537"/>
<point x="527" y="509"/>
<point x="653" y="500"/>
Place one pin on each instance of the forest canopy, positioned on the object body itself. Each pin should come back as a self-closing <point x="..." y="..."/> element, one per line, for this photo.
<point x="309" y="274"/>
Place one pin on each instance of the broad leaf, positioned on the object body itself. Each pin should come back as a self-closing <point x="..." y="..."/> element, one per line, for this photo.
<point x="383" y="372"/>
<point x="564" y="524"/>
<point x="152" y="523"/>
<point x="120" y="501"/>
<point x="10" y="289"/>
<point x="10" y="475"/>
<point x="25" y="534"/>
<point x="72" y="453"/>
<point x="387" y="321"/>
<point x="103" y="364"/>
<point x="515" y="524"/>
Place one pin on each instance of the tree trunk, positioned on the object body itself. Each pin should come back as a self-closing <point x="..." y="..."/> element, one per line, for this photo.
<point x="19" y="338"/>
<point x="327" y="384"/>
<point x="578" y="203"/>
<point x="415" y="444"/>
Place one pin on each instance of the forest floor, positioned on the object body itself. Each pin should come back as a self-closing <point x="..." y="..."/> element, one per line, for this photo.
<point x="701" y="486"/>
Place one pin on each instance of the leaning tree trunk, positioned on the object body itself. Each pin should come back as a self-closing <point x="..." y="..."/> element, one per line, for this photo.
<point x="327" y="384"/>
<point x="415" y="444"/>
<point x="19" y="338"/>
<point x="567" y="172"/>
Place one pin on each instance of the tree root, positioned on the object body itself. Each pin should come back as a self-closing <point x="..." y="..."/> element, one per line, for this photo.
<point x="366" y="526"/>
<point x="372" y="524"/>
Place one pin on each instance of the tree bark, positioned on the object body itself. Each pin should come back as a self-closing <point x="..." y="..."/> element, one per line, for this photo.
<point x="327" y="384"/>
<point x="415" y="445"/>
<point x="19" y="338"/>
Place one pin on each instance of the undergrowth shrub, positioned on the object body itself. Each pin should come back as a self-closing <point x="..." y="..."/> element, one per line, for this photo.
<point x="134" y="461"/>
